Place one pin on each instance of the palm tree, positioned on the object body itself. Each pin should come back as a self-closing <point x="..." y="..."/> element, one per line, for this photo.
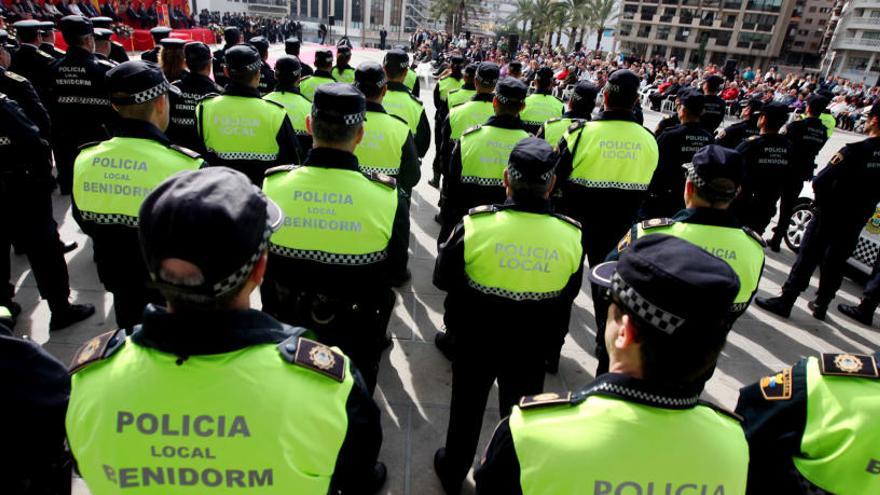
<point x="542" y="20"/>
<point x="602" y="12"/>
<point x="454" y="12"/>
<point x="577" y="15"/>
<point x="524" y="14"/>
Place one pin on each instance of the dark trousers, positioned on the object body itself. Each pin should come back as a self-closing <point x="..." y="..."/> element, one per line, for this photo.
<point x="129" y="302"/>
<point x="872" y="288"/>
<point x="791" y="190"/>
<point x="65" y="152"/>
<point x="27" y="220"/>
<point x="475" y="368"/>
<point x="827" y="244"/>
<point x="124" y="276"/>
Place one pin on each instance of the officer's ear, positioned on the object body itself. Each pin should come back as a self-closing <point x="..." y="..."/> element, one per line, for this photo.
<point x="550" y="187"/>
<point x="259" y="270"/>
<point x="309" y="124"/>
<point x="360" y="135"/>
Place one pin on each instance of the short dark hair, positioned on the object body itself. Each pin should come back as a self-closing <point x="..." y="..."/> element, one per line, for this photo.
<point x="182" y="301"/>
<point x="198" y="65"/>
<point x="526" y="191"/>
<point x="618" y="100"/>
<point x="332" y="132"/>
<point x="512" y="107"/>
<point x="395" y="70"/>
<point x="79" y="41"/>
<point x="242" y="77"/>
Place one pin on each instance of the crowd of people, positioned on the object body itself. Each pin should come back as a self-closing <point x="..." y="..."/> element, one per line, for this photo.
<point x="131" y="12"/>
<point x="202" y="177"/>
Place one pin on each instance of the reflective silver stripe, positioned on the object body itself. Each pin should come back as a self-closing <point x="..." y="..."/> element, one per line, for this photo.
<point x="387" y="171"/>
<point x="607" y="184"/>
<point x="243" y="155"/>
<point x="183" y="121"/>
<point x="516" y="296"/>
<point x="109" y="218"/>
<point x="329" y="258"/>
<point x="83" y="100"/>
<point x="481" y="181"/>
<point x="739" y="307"/>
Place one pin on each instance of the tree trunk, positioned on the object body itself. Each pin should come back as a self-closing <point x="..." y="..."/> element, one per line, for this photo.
<point x="582" y="35"/>
<point x="572" y="35"/>
<point x="599" y="37"/>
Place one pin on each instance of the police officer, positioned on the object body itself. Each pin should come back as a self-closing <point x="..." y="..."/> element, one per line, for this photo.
<point x="496" y="299"/>
<point x="467" y="90"/>
<point x="140" y="157"/>
<point x="195" y="84"/>
<point x="343" y="72"/>
<point x="117" y="51"/>
<point x="18" y="88"/>
<point x="580" y="108"/>
<point x="846" y="197"/>
<point x="174" y="366"/>
<point x="400" y="102"/>
<point x="769" y="160"/>
<point x="323" y="64"/>
<point x="476" y="169"/>
<point x="864" y="311"/>
<point x="811" y="428"/>
<point x="47" y="40"/>
<point x="26" y="214"/>
<point x="158" y="33"/>
<point x="232" y="37"/>
<point x="672" y="120"/>
<point x="676" y="147"/>
<point x="642" y="427"/>
<point x="267" y="75"/>
<point x="714" y="177"/>
<point x="411" y="81"/>
<point x="541" y="105"/>
<point x="288" y="70"/>
<point x="733" y="135"/>
<point x="445" y="84"/>
<point x="323" y="273"/>
<point x="78" y="88"/>
<point x="714" y="108"/>
<point x="807" y="138"/>
<point x="28" y="60"/>
<point x="239" y="129"/>
<point x="102" y="45"/>
<point x="291" y="47"/>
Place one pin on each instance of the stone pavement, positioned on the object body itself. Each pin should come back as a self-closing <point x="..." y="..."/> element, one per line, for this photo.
<point x="414" y="384"/>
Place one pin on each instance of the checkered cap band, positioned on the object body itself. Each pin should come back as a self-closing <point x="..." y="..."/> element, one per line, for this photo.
<point x="481" y="181"/>
<point x="350" y="119"/>
<point x="329" y="258"/>
<point x="183" y="121"/>
<point x="143" y="96"/>
<point x="674" y="402"/>
<point x="516" y="175"/>
<point x="644" y="309"/>
<point x="379" y="170"/>
<point x="109" y="218"/>
<point x="513" y="295"/>
<point x="693" y="177"/>
<point x="243" y="155"/>
<point x="232" y="281"/>
<point x="605" y="184"/>
<point x="249" y="68"/>
<point x="505" y="100"/>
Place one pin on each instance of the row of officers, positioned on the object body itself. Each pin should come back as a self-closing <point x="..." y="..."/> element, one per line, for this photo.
<point x="327" y="239"/>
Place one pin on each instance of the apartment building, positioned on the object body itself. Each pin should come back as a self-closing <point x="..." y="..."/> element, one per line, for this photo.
<point x="855" y="45"/>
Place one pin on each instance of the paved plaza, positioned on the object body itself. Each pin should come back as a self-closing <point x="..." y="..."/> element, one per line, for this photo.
<point x="415" y="380"/>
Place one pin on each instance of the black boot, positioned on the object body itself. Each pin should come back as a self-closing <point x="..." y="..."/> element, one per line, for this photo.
<point x="863" y="313"/>
<point x="450" y="486"/>
<point x="377" y="480"/>
<point x="73" y="313"/>
<point x="445" y="344"/>
<point x="435" y="181"/>
<point x="819" y="309"/>
<point x="775" y="244"/>
<point x="780" y="306"/>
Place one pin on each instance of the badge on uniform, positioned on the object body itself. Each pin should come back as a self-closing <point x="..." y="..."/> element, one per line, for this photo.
<point x="320" y="358"/>
<point x="546" y="399"/>
<point x="96" y="349"/>
<point x="837" y="158"/>
<point x="849" y="365"/>
<point x="625" y="242"/>
<point x="778" y="386"/>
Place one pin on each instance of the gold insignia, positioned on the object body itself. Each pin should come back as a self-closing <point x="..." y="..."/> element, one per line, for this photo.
<point x="625" y="242"/>
<point x="848" y="363"/>
<point x="545" y="396"/>
<point x="88" y="351"/>
<point x="322" y="357"/>
<point x="837" y="158"/>
<point x="778" y="386"/>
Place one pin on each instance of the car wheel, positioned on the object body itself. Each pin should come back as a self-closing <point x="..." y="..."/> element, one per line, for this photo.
<point x="797" y="226"/>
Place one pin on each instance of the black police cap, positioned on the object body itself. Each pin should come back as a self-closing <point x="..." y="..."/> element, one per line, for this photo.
<point x="102" y="22"/>
<point x="515" y="66"/>
<point x="396" y="58"/>
<point x="488" y="73"/>
<point x="343" y="50"/>
<point x="231" y="34"/>
<point x="456" y="61"/>
<point x="714" y="82"/>
<point x="623" y="82"/>
<point x="323" y="58"/>
<point x="471" y="69"/>
<point x="292" y="44"/>
<point x="817" y="102"/>
<point x="172" y="43"/>
<point x="46" y="27"/>
<point x="692" y="100"/>
<point x="102" y="34"/>
<point x="288" y="64"/>
<point x="716" y="171"/>
<point x="369" y="77"/>
<point x="260" y="43"/>
<point x="511" y="90"/>
<point x="755" y="103"/>
<point x="160" y="32"/>
<point x="243" y="58"/>
<point x="584" y="93"/>
<point x="137" y="81"/>
<point x="671" y="285"/>
<point x="339" y="103"/>
<point x="74" y="26"/>
<point x="531" y="160"/>
<point x="196" y="52"/>
<point x="544" y="74"/>
<point x="776" y="112"/>
<point x="27" y="26"/>
<point x="192" y="213"/>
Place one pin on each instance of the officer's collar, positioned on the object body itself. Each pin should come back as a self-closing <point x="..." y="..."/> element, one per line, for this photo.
<point x="397" y="86"/>
<point x="322" y="73"/>
<point x="195" y="76"/>
<point x="132" y="128"/>
<point x="546" y="92"/>
<point x="375" y="107"/>
<point x="332" y="158"/>
<point x="644" y="392"/>
<point x="235" y="89"/>
<point x="574" y="114"/>
<point x="343" y="68"/>
<point x="505" y="122"/>
<point x="469" y="86"/>
<point x="627" y="115"/>
<point x="209" y="332"/>
<point x="288" y="88"/>
<point x="27" y="46"/>
<point x="537" y="205"/>
<point x="483" y="97"/>
<point x="708" y="216"/>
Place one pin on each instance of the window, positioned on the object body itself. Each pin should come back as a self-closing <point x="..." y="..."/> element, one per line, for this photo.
<point x="822" y="22"/>
<point x="357" y="11"/>
<point x="644" y="31"/>
<point x="871" y="35"/>
<point x="663" y="32"/>
<point x="625" y="29"/>
<point x="396" y="7"/>
<point x="377" y="13"/>
<point x="802" y="32"/>
<point x="798" y="44"/>
<point x="857" y="63"/>
<point x="808" y="21"/>
<point x="732" y="4"/>
<point x="812" y="9"/>
<point x="825" y="10"/>
<point x="765" y="5"/>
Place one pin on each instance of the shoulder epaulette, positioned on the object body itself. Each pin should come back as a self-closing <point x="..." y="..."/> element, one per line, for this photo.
<point x="858" y="365"/>
<point x="280" y="168"/>
<point x="383" y="179"/>
<point x="456" y="90"/>
<point x="558" y="98"/>
<point x="415" y="98"/>
<point x="46" y="55"/>
<point x="625" y="241"/>
<point x="186" y="151"/>
<point x="398" y="117"/>
<point x="471" y="130"/>
<point x="568" y="219"/>
<point x="477" y="210"/>
<point x="96" y="349"/>
<point x="304" y="78"/>
<point x="754" y="235"/>
<point x="577" y="124"/>
<point x="207" y="96"/>
<point x="730" y="414"/>
<point x="554" y="119"/>
<point x="313" y="356"/>
<point x="752" y="138"/>
<point x="279" y="105"/>
<point x="778" y="386"/>
<point x="545" y="400"/>
<point x="88" y="145"/>
<point x="14" y="76"/>
<point x="656" y="222"/>
<point x="105" y="62"/>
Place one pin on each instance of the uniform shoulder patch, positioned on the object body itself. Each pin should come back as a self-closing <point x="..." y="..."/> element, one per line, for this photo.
<point x="837" y="158"/>
<point x="625" y="241"/>
<point x="96" y="349"/>
<point x="383" y="179"/>
<point x="849" y="365"/>
<point x="732" y="415"/>
<point x="88" y="145"/>
<point x="314" y="356"/>
<point x="656" y="222"/>
<point x="280" y="168"/>
<point x="778" y="386"/>
<point x="207" y="96"/>
<point x="577" y="124"/>
<point x="482" y="209"/>
<point x="544" y="400"/>
<point x="14" y="76"/>
<point x="752" y="138"/>
<point x="186" y="151"/>
<point x="471" y="130"/>
<point x="754" y="235"/>
<point x="46" y="55"/>
<point x="566" y="218"/>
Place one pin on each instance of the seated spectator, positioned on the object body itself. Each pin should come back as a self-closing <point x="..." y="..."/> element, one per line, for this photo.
<point x="50" y="11"/>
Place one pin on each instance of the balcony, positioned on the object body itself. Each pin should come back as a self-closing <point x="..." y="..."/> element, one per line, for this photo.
<point x="864" y="22"/>
<point x="866" y="4"/>
<point x="871" y="45"/>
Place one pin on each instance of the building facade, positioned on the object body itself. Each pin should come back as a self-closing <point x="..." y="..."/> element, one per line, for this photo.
<point x="855" y="45"/>
<point x="698" y="32"/>
<point x="806" y="30"/>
